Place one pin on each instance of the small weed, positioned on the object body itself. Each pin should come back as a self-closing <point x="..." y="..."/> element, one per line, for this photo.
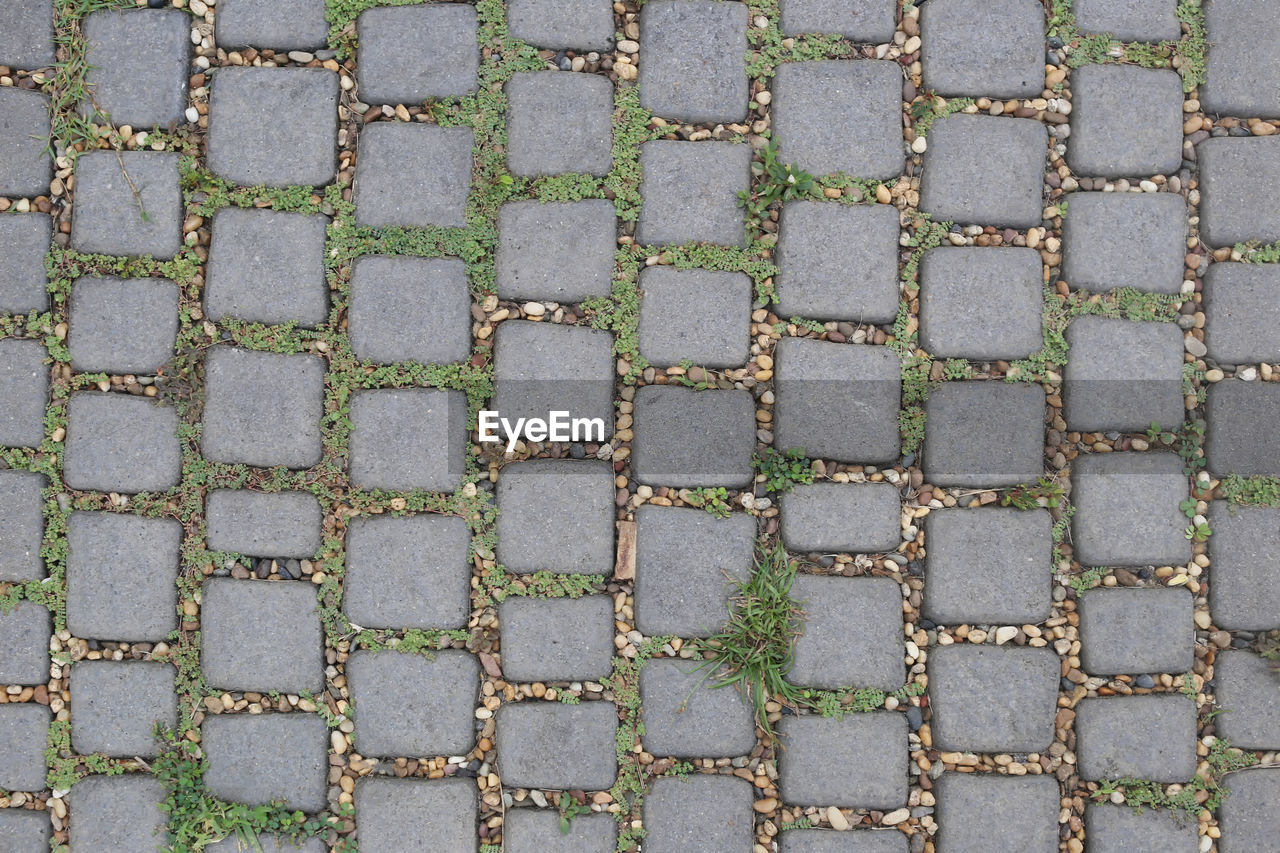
<point x="1087" y="580"/>
<point x="1198" y="532"/>
<point x="1252" y="491"/>
<point x="1203" y="794"/>
<point x="569" y="809"/>
<point x="713" y="500"/>
<point x="930" y="107"/>
<point x="1047" y="492"/>
<point x="784" y="471"/>
<point x="1258" y="253"/>
<point x="779" y="181"/>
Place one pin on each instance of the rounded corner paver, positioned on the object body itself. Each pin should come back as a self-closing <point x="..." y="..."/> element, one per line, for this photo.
<point x="416" y="815"/>
<point x="25" y="829"/>
<point x="121" y="443"/>
<point x="1114" y="240"/>
<point x="556" y="639"/>
<point x="981" y="303"/>
<point x="988" y="811"/>
<point x="1127" y="509"/>
<point x="851" y="633"/>
<point x="24" y="282"/>
<point x="557" y="251"/>
<point x="1238" y="178"/>
<point x="123" y="325"/>
<point x="26" y="34"/>
<point x="25" y="632"/>
<point x="558" y="746"/>
<point x="581" y="25"/>
<point x="539" y="368"/>
<point x="967" y="719"/>
<point x="261" y="636"/>
<point x="1242" y="315"/>
<point x="1134" y="630"/>
<point x="117" y="813"/>
<point x="1125" y="121"/>
<point x="984" y="434"/>
<point x="1248" y="812"/>
<point x="1246" y="688"/>
<point x="841" y="517"/>
<point x="138" y="62"/>
<point x="122" y="576"/>
<point x="282" y="24"/>
<point x="408" y="438"/>
<point x="1122" y="375"/>
<point x="687" y="716"/>
<point x="408" y="705"/>
<point x="1147" y="737"/>
<point x="1129" y="20"/>
<point x="1239" y="80"/>
<point x="385" y="317"/>
<point x="263" y="524"/>
<point x="711" y="814"/>
<point x="109" y="218"/>
<point x="409" y="54"/>
<point x="689" y="192"/>
<point x="685" y="438"/>
<point x="964" y="184"/>
<point x="416" y="175"/>
<point x="24" y="731"/>
<point x="25" y="165"/>
<point x="1121" y="829"/>
<point x="24" y="392"/>
<point x="1241" y="438"/>
<point x="539" y="831"/>
<point x="264" y="758"/>
<point x="701" y="316"/>
<point x="21" y="526"/>
<point x="556" y="515"/>
<point x="693" y="60"/>
<point x="957" y="40"/>
<point x="116" y="705"/>
<point x="558" y="123"/>
<point x="1245" y="552"/>
<point x="869" y="21"/>
<point x="859" y="761"/>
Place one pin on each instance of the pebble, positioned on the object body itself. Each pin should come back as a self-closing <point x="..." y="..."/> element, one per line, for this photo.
<point x="1005" y="634"/>
<point x="534" y="309"/>
<point x="1196" y="347"/>
<point x="838" y="821"/>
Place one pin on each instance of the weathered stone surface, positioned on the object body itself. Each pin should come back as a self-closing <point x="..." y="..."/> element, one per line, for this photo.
<point x="116" y="705"/>
<point x="1113" y="240"/>
<point x="538" y="831"/>
<point x="687" y="716"/>
<point x="558" y="122"/>
<point x="138" y="62"/>
<point x="693" y="60"/>
<point x="261" y="636"/>
<point x="1127" y="510"/>
<point x="1238" y="178"/>
<point x="262" y="408"/>
<point x="1241" y="437"/>
<point x="690" y="192"/>
<point x="1232" y="84"/>
<point x="847" y="518"/>
<point x="119" y="443"/>
<point x="255" y="759"/>
<point x="24" y="392"/>
<point x="1248" y="814"/>
<point x="1121" y="829"/>
<point x="24" y="242"/>
<point x="702" y="316"/>
<point x="964" y="184"/>
<point x="385" y="318"/>
<point x="859" y="761"/>
<point x="281" y="24"/>
<point x="416" y="815"/>
<point x="830" y="655"/>
<point x="408" y="438"/>
<point x="122" y="575"/>
<point x="688" y="439"/>
<point x="26" y="34"/>
<point x="858" y="20"/>
<point x="561" y="252"/>
<point x="1245" y="686"/>
<point x="410" y="54"/>
<point x="1149" y="737"/>
<point x="966" y="718"/>
<point x="1245" y="553"/>
<point x="21" y="526"/>
<point x="108" y="216"/>
<point x="25" y="829"/>
<point x="117" y="814"/>
<point x="269" y="844"/>
<point x="830" y="841"/>
<point x="123" y="325"/>
<point x="1242" y="315"/>
<point x="1122" y="375"/>
<point x="25" y="166"/>
<point x="984" y="434"/>
<point x="557" y="746"/>
<point x="711" y="814"/>
<point x="543" y="367"/>
<point x="981" y="303"/>
<point x="581" y="25"/>
<point x="407" y="572"/>
<point x="1130" y="20"/>
<point x="417" y="175"/>
<point x="263" y="524"/>
<point x="985" y="811"/>
<point x="957" y="40"/>
<point x="24" y="731"/>
<point x="24" y="636"/>
<point x="556" y="515"/>
<point x="267" y="266"/>
<point x="407" y="705"/>
<point x="1131" y="631"/>
<point x="557" y="639"/>
<point x="1125" y="121"/>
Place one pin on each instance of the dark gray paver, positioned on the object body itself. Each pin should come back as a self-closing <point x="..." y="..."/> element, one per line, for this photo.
<point x="1127" y="509"/>
<point x="408" y="438"/>
<point x="413" y="174"/>
<point x="1126" y="121"/>
<point x="838" y="262"/>
<point x="988" y="566"/>
<point x="261" y="636"/>
<point x="703" y="316"/>
<point x="122" y="574"/>
<point x="985" y="811"/>
<point x="1245" y="552"/>
<point x="1120" y="829"/>
<point x="981" y="303"/>
<point x="1242" y="316"/>
<point x="1113" y="240"/>
<point x="407" y="705"/>
<point x="412" y="53"/>
<point x="956" y="47"/>
<point x="538" y="831"/>
<point x="24" y="636"/>
<point x="267" y="266"/>
<point x="25" y="165"/>
<point x="581" y="25"/>
<point x="24" y="731"/>
<point x="26" y="34"/>
<point x="829" y="841"/>
<point x="116" y="705"/>
<point x="386" y="320"/>
<point x="855" y="762"/>
<point x="845" y="518"/>
<point x="1148" y="737"/>
<point x="1129" y="631"/>
<point x="562" y="252"/>
<point x="118" y="443"/>
<point x="556" y="639"/>
<point x="1130" y="20"/>
<point x="552" y="745"/>
<point x="1231" y="86"/>
<point x="1246" y="687"/>
<point x="711" y="814"/>
<point x="269" y="844"/>
<point x="688" y="439"/>
<point x="107" y="218"/>
<point x="858" y="20"/>
<point x="685" y="560"/>
<point x="840" y="116"/>
<point x="687" y="716"/>
<point x="416" y="815"/>
<point x="262" y="408"/>
<point x="852" y="633"/>
<point x="123" y="325"/>
<point x="837" y="401"/>
<point x="1248" y="815"/>
<point x="23" y="282"/>
<point x="693" y="60"/>
<point x="984" y="434"/>
<point x="556" y="515"/>
<point x="25" y="830"/>
<point x="1238" y="177"/>
<point x="558" y="122"/>
<point x="279" y="24"/>
<point x="21" y="526"/>
<point x="263" y="524"/>
<point x="407" y="572"/>
<point x="963" y="183"/>
<point x="690" y="192"/>
<point x="1242" y="438"/>
<point x="138" y="64"/>
<point x="24" y="392"/>
<point x="255" y="759"/>
<point x="119" y="814"/>
<point x="993" y="698"/>
<point x="1122" y="375"/>
<point x="542" y="367"/>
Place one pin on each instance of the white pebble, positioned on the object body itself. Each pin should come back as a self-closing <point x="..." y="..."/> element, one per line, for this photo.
<point x="193" y="115"/>
<point x="919" y="145"/>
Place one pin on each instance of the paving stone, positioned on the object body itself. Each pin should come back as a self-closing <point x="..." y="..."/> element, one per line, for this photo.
<point x="1148" y="737"/>
<point x="279" y="24"/>
<point x="261" y="636"/>
<point x="1248" y="814"/>
<point x="538" y="831"/>
<point x="120" y="814"/>
<point x="417" y="175"/>
<point x="407" y="705"/>
<point x="24" y="392"/>
<point x="820" y="244"/>
<point x="987" y="811"/>
<point x="957" y="36"/>
<point x="122" y="574"/>
<point x="703" y="316"/>
<point x="690" y="192"/>
<point x="1245" y="552"/>
<point x="1120" y="829"/>
<point x="263" y="524"/>
<point x="26" y="34"/>
<point x="411" y="572"/>
<point x="558" y="123"/>
<point x="1122" y="376"/>
<point x="1114" y="240"/>
<point x="1127" y="510"/>
<point x="837" y="401"/>
<point x="557" y="639"/>
<point x="119" y="443"/>
<point x="24" y="636"/>
<point x="1245" y="685"/>
<point x="989" y="566"/>
<point x="844" y="518"/>
<point x="1238" y="177"/>
<point x="711" y="814"/>
<point x="107" y="219"/>
<point x="1241" y="437"/>
<point x="24" y="242"/>
<point x="1242" y="316"/>
<point x="871" y="21"/>
<point x="24" y="830"/>
<point x="416" y="815"/>
<point x="1232" y="86"/>
<point x="984" y="434"/>
<point x="21" y="526"/>
<point x="685" y="560"/>
<point x="693" y="64"/>
<point x="138" y="63"/>
<point x="1126" y="121"/>
<point x="251" y="248"/>
<point x="556" y="515"/>
<point x="123" y="325"/>
<point x="831" y="841"/>
<point x="852" y="633"/>
<point x="269" y="844"/>
<point x="259" y="759"/>
<point x="855" y="762"/>
<point x="687" y="716"/>
<point x="689" y="439"/>
<point x="115" y="706"/>
<point x="1131" y="631"/>
<point x="24" y="731"/>
<point x="968" y="718"/>
<point x="557" y="746"/>
<point x="581" y="25"/>
<point x="963" y="183"/>
<point x="408" y="438"/>
<point x="385" y="318"/>
<point x="1130" y="20"/>
<point x="840" y="116"/>
<point x="262" y="408"/>
<point x="411" y="54"/>
<point x="981" y="303"/>
<point x="562" y="252"/>
<point x="25" y="166"/>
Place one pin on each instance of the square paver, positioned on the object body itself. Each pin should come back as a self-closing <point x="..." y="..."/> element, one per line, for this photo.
<point x="417" y="175"/>
<point x="686" y="564"/>
<point x="408" y="705"/>
<point x="690" y="192"/>
<point x="24" y="393"/>
<point x="557" y="639"/>
<point x="25" y="632"/>
<point x="1237" y="179"/>
<point x="279" y="24"/>
<point x="837" y="401"/>
<point x="693" y="60"/>
<point x="408" y="438"/>
<point x="842" y="518"/>
<point x="1248" y="814"/>
<point x="871" y="21"/>
<point x="1126" y="121"/>
<point x="1242" y="317"/>
<point x="138" y="64"/>
<point x="1246" y="688"/>
<point x="956" y="54"/>
<point x="115" y="706"/>
<point x="1230" y="87"/>
<point x="26" y="34"/>
<point x="108" y="216"/>
<point x="538" y="831"/>
<point x="411" y="572"/>
<point x="25" y="166"/>
<point x="840" y="116"/>
<point x="261" y="636"/>
<point x="1114" y="240"/>
<point x="269" y="844"/>
<point x="122" y="576"/>
<point x="24" y="242"/>
<point x="820" y="243"/>
<point x="981" y="303"/>
<point x="986" y="811"/>
<point x="1122" y="375"/>
<point x="688" y="439"/>
<point x="1129" y="631"/>
<point x="386" y="320"/>
<point x="118" y="814"/>
<point x="963" y="683"/>
<point x="1245" y="552"/>
<point x="263" y="524"/>
<point x="274" y="127"/>
<point x="702" y="316"/>
<point x="24" y="731"/>
<point x="1130" y="20"/>
<point x="25" y="829"/>
<point x="416" y="815"/>
<point x="1127" y="509"/>
<point x="991" y="566"/>
<point x="580" y="25"/>
<point x="858" y="762"/>
<point x="556" y="515"/>
<point x="687" y="716"/>
<point x="1241" y="436"/>
<point x="558" y="122"/>
<point x="262" y="408"/>
<point x="267" y="266"/>
<point x="119" y="443"/>
<point x="543" y="367"/>
<point x="258" y="759"/>
<point x="1122" y="829"/>
<point x="558" y="746"/>
<point x="21" y="526"/>
<point x="833" y="841"/>
<point x="562" y="252"/>
<point x="123" y="325"/>
<point x="984" y="434"/>
<point x="1148" y="737"/>
<point x="710" y="814"/>
<point x="410" y="54"/>
<point x="852" y="633"/>
<point x="964" y="184"/>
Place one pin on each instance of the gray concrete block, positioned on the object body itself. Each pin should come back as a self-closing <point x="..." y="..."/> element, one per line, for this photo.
<point x="24" y="393"/>
<point x="408" y="438"/>
<point x="26" y="34"/>
<point x="831" y="656"/>
<point x="123" y="325"/>
<point x="21" y="526"/>
<point x="118" y="814"/>
<point x="580" y="25"/>
<point x="258" y="759"/>
<point x="690" y="192"/>
<point x="687" y="438"/>
<point x="557" y="746"/>
<point x="987" y="811"/>
<point x="262" y="408"/>
<point x="561" y="252"/>
<point x="846" y="518"/>
<point x="831" y="841"/>
<point x="263" y="524"/>
<point x="108" y="216"/>
<point x="859" y="761"/>
<point x="1238" y="177"/>
<point x="1241" y="437"/>
<point x="25" y="165"/>
<point x="1248" y="814"/>
<point x="410" y="54"/>
<point x="702" y="316"/>
<point x="1131" y="631"/>
<point x="1242" y="316"/>
<point x="385" y="318"/>
<point x="1241" y="39"/>
<point x="416" y="175"/>
<point x="558" y="122"/>
<point x="23" y="830"/>
<point x="261" y="636"/>
<point x="1246" y="688"/>
<point x="407" y="572"/>
<point x="538" y="831"/>
<point x="686" y="715"/>
<point x="1113" y="240"/>
<point x="116" y="705"/>
<point x="139" y="61"/>
<point x="119" y="443"/>
<point x="693" y="60"/>
<point x="964" y="184"/>
<point x="962" y="682"/>
<point x="1127" y="510"/>
<point x="871" y="21"/>
<point x="1122" y="375"/>
<point x="1245" y="553"/>
<point x="24" y="732"/>
<point x="409" y="705"/>
<point x="711" y="814"/>
<point x="267" y="266"/>
<point x="122" y="576"/>
<point x="24" y="635"/>
<point x="269" y="844"/>
<point x="957" y="40"/>
<point x="1125" y="121"/>
<point x="279" y="24"/>
<point x="25" y="239"/>
<point x="981" y="303"/>
<point x="416" y="815"/>
<point x="544" y="367"/>
<point x="557" y="639"/>
<point x="1148" y="737"/>
<point x="983" y="434"/>
<point x="1122" y="829"/>
<point x="1130" y="20"/>
<point x="556" y="515"/>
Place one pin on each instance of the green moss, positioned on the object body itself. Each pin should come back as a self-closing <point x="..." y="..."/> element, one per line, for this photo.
<point x="930" y="107"/>
<point x="783" y="471"/>
<point x="1258" y="253"/>
<point x="713" y="500"/>
<point x="1251" y="491"/>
